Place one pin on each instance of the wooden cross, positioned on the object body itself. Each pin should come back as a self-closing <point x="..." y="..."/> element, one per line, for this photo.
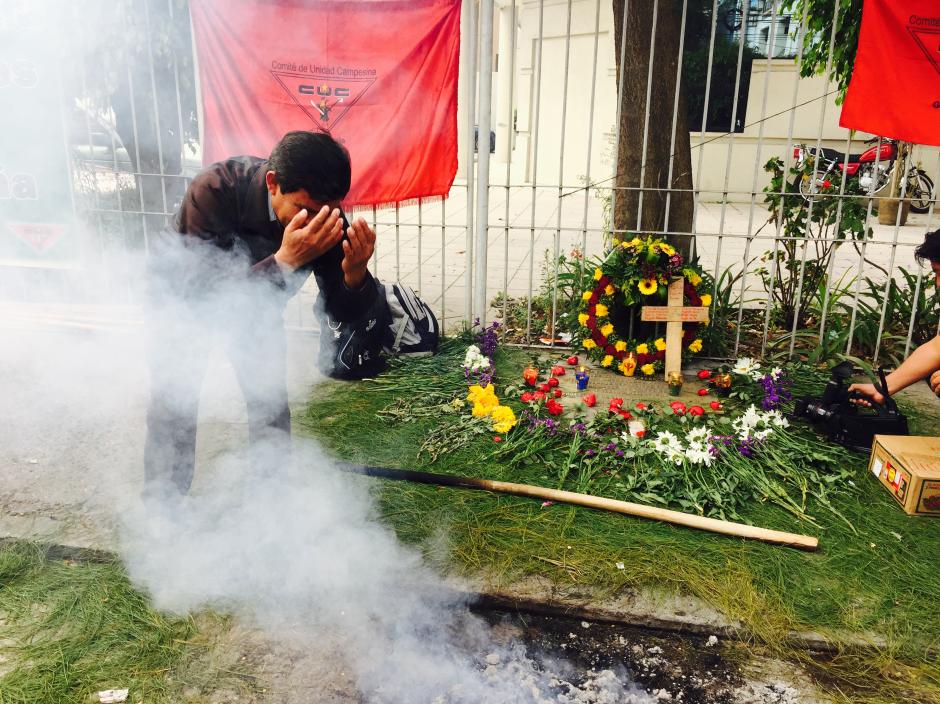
<point x="674" y="314"/>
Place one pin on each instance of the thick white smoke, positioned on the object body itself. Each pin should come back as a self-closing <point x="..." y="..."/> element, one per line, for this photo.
<point x="284" y="541"/>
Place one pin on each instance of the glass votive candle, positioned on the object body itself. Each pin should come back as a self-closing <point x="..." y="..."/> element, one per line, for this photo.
<point x="674" y="382"/>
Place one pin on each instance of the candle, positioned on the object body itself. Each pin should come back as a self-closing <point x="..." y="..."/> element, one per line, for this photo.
<point x="674" y="381"/>
<point x="629" y="364"/>
<point x="722" y="384"/>
<point x="582" y="377"/>
<point x="531" y="375"/>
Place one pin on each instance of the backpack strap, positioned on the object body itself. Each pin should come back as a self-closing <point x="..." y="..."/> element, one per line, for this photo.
<point x="402" y="325"/>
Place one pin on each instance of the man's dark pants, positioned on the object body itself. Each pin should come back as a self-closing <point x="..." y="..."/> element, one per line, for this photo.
<point x="182" y="333"/>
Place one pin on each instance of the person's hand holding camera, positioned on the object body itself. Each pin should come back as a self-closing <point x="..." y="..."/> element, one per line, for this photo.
<point x="867" y="390"/>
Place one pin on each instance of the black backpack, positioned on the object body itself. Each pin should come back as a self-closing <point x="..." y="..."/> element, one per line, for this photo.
<point x="413" y="329"/>
<point x="398" y="322"/>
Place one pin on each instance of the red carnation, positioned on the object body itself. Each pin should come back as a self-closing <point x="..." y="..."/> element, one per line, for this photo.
<point x="545" y="386"/>
<point x="527" y="397"/>
<point x="551" y="383"/>
<point x="590" y="400"/>
<point x="641" y="406"/>
<point x="703" y="392"/>
<point x="557" y="393"/>
<point x="677" y="407"/>
<point x="558" y="370"/>
<point x="539" y="395"/>
<point x="626" y="415"/>
<point x="573" y="359"/>
<point x="696" y="411"/>
<point x="704" y="374"/>
<point x="616" y="403"/>
<point x="715" y="405"/>
<point x="554" y="407"/>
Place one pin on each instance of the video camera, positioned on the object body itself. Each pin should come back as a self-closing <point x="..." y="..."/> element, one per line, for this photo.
<point x="846" y="423"/>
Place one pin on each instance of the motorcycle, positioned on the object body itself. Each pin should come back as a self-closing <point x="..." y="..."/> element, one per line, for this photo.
<point x="874" y="168"/>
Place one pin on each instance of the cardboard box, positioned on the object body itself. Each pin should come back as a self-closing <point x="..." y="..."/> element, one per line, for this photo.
<point x="909" y="468"/>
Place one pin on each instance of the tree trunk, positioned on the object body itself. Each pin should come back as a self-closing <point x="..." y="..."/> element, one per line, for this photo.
<point x="642" y="208"/>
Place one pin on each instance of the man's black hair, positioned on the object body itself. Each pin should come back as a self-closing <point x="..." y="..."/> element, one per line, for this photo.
<point x="929" y="248"/>
<point x="314" y="162"/>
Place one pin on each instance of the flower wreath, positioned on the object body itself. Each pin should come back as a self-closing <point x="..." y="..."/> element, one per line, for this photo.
<point x="637" y="270"/>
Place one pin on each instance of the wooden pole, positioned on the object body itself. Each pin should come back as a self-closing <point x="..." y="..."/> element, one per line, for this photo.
<point x="794" y="540"/>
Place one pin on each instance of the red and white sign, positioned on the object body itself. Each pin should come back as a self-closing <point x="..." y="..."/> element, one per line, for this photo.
<point x="895" y="87"/>
<point x="40" y="236"/>
<point x="379" y="75"/>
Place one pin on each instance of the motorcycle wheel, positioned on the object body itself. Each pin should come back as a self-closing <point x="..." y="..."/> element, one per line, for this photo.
<point x="806" y="186"/>
<point x="920" y="189"/>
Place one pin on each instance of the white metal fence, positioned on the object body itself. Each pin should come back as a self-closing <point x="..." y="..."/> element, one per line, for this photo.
<point x="541" y="75"/>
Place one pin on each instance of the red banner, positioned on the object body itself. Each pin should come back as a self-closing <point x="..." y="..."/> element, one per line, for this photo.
<point x="895" y="87"/>
<point x="379" y="75"/>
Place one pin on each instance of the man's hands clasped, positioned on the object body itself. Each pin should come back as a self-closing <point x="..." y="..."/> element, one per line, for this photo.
<point x="306" y="239"/>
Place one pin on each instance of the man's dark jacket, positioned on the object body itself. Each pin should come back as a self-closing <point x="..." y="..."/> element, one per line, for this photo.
<point x="228" y="204"/>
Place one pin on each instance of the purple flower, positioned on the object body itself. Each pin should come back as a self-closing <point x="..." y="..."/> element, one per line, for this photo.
<point x="776" y="391"/>
<point x="746" y="448"/>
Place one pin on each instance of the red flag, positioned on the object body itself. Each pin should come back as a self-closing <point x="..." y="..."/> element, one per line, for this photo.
<point x="379" y="75"/>
<point x="895" y="86"/>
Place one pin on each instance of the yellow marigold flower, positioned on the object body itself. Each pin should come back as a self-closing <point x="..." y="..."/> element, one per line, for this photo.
<point x="660" y="344"/>
<point x="589" y="344"/>
<point x="636" y="242"/>
<point x="583" y="318"/>
<point x="481" y="411"/>
<point x="482" y="394"/>
<point x="586" y="296"/>
<point x="642" y="349"/>
<point x="647" y="369"/>
<point x="696" y="346"/>
<point x="667" y="249"/>
<point x="620" y="345"/>
<point x="475" y="392"/>
<point x="600" y="310"/>
<point x="647" y="286"/>
<point x="694" y="279"/>
<point x="607" y="329"/>
<point x="503" y="419"/>
<point x="608" y="359"/>
<point x="706" y="299"/>
<point x="598" y="274"/>
<point x="609" y="291"/>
